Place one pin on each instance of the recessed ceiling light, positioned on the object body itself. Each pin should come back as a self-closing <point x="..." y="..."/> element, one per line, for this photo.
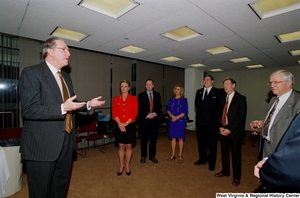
<point x="180" y="34"/>
<point x="171" y="58"/>
<point x="295" y="52"/>
<point x="239" y="60"/>
<point x="112" y="8"/>
<point x="298" y="61"/>
<point x="293" y="36"/>
<point x="218" y="50"/>
<point x="269" y="8"/>
<point x="197" y="65"/>
<point x="254" y="66"/>
<point x="216" y="70"/>
<point x="69" y="34"/>
<point x="132" y="49"/>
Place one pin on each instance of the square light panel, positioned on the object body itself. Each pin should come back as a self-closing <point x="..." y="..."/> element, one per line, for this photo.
<point x="269" y="8"/>
<point x="239" y="60"/>
<point x="254" y="66"/>
<point x="218" y="50"/>
<point x="216" y="70"/>
<point x="171" y="58"/>
<point x="112" y="8"/>
<point x="180" y="34"/>
<point x="295" y="52"/>
<point x="197" y="65"/>
<point x="69" y="34"/>
<point x="292" y="36"/>
<point x="132" y="49"/>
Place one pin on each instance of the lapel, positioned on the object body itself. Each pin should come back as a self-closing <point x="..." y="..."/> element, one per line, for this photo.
<point x="146" y="99"/>
<point x="285" y="108"/>
<point x="50" y="80"/>
<point x="233" y="102"/>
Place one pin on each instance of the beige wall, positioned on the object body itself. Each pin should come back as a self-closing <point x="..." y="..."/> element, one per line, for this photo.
<point x="96" y="74"/>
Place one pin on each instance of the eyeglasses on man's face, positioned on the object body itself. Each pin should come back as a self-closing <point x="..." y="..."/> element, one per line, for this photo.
<point x="275" y="82"/>
<point x="65" y="49"/>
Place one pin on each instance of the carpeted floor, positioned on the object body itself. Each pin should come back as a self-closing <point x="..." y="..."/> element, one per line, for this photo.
<point x="96" y="175"/>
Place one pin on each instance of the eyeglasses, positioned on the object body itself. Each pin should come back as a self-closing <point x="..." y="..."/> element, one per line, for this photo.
<point x="275" y="82"/>
<point x="64" y="49"/>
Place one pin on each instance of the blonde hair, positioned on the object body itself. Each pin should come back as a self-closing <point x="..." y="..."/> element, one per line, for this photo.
<point x="125" y="81"/>
<point x="181" y="90"/>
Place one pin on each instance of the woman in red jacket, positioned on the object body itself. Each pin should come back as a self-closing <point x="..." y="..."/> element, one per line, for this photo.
<point x="124" y="112"/>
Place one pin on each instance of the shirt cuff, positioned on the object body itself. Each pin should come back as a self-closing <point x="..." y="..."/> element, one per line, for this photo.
<point x="63" y="112"/>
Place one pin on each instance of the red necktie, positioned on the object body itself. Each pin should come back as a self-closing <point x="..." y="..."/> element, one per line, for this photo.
<point x="66" y="96"/>
<point x="224" y="115"/>
<point x="151" y="102"/>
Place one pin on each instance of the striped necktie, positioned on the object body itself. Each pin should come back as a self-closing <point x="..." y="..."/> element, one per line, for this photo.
<point x="151" y="102"/>
<point x="265" y="128"/>
<point x="224" y="114"/>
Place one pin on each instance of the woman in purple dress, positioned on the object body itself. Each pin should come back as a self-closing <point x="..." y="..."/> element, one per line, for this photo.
<point x="177" y="111"/>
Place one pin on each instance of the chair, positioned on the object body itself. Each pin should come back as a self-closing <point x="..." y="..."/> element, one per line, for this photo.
<point x="80" y="139"/>
<point x="91" y="134"/>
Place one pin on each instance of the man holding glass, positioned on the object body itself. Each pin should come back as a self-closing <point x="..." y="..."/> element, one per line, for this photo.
<point x="283" y="107"/>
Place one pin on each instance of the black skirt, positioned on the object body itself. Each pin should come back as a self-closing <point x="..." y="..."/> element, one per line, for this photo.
<point x="128" y="137"/>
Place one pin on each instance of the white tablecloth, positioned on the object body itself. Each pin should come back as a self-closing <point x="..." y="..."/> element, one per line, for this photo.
<point x="4" y="172"/>
<point x="14" y="163"/>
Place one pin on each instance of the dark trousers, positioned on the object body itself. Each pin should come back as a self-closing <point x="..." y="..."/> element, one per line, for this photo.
<point x="207" y="139"/>
<point x="51" y="179"/>
<point x="233" y="145"/>
<point x="149" y="132"/>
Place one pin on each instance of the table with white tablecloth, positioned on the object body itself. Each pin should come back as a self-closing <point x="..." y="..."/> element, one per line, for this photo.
<point x="10" y="170"/>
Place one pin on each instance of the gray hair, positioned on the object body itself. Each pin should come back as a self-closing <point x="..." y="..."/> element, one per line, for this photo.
<point x="287" y="76"/>
<point x="48" y="44"/>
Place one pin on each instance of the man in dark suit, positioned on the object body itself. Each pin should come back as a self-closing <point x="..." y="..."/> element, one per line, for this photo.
<point x="207" y="130"/>
<point x="148" y="119"/>
<point x="232" y="113"/>
<point x="281" y="83"/>
<point x="48" y="135"/>
<point x="280" y="171"/>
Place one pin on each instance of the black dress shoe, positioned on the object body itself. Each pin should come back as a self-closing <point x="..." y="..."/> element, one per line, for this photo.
<point x="128" y="173"/>
<point x="154" y="160"/>
<point x="143" y="160"/>
<point x="198" y="163"/>
<point x="220" y="174"/>
<point x="211" y="168"/>
<point x="120" y="173"/>
<point x="236" y="182"/>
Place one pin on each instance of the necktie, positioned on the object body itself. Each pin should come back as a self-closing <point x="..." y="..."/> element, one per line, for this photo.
<point x="151" y="102"/>
<point x="224" y="115"/>
<point x="205" y="94"/>
<point x="265" y="128"/>
<point x="65" y="97"/>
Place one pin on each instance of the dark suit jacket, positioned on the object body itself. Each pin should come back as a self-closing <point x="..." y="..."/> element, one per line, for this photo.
<point x="144" y="107"/>
<point x="281" y="172"/>
<point x="44" y="125"/>
<point x="282" y="121"/>
<point x="206" y="110"/>
<point x="236" y="115"/>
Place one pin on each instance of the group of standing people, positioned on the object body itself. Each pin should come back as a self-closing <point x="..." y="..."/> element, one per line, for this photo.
<point x="49" y="103"/>
<point x="220" y="113"/>
<point x="146" y="108"/>
<point x="49" y="136"/>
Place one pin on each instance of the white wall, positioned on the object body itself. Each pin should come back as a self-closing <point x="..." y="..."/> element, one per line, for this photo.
<point x="193" y="82"/>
